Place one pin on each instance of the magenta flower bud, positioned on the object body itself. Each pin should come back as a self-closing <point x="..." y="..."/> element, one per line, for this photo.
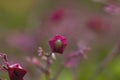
<point x="16" y="72"/>
<point x="57" y="44"/>
<point x="57" y="15"/>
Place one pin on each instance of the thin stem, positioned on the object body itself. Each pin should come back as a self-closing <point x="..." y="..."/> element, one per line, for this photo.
<point x="111" y="55"/>
<point x="41" y="68"/>
<point x="74" y="75"/>
<point x="47" y="67"/>
<point x="4" y="57"/>
<point x="48" y="55"/>
<point x="58" y="72"/>
<point x="5" y="60"/>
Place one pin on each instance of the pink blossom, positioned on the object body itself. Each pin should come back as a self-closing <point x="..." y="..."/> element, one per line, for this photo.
<point x="57" y="44"/>
<point x="22" y="41"/>
<point x="16" y="72"/>
<point x="72" y="59"/>
<point x="97" y="24"/>
<point x="112" y="9"/>
<point x="57" y="15"/>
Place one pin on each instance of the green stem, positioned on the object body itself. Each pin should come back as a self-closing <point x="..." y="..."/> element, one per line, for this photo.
<point x="58" y="72"/>
<point x="111" y="55"/>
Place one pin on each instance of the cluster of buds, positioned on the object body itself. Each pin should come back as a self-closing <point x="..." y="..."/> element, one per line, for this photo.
<point x="49" y="57"/>
<point x="57" y="45"/>
<point x="39" y="64"/>
<point x="15" y="71"/>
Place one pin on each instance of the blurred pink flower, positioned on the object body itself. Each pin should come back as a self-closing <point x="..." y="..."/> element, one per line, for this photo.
<point x="72" y="59"/>
<point x="112" y="9"/>
<point x="98" y="25"/>
<point x="21" y="41"/>
<point x="57" y="15"/>
<point x="57" y="44"/>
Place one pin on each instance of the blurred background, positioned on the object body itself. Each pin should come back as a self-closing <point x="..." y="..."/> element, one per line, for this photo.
<point x="27" y="24"/>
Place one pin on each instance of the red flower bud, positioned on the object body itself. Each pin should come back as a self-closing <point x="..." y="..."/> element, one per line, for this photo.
<point x="57" y="44"/>
<point x="16" y="72"/>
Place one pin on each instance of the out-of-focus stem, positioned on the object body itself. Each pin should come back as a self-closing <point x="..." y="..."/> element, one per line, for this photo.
<point x="47" y="67"/>
<point x="74" y="75"/>
<point x="111" y="55"/>
<point x="58" y="72"/>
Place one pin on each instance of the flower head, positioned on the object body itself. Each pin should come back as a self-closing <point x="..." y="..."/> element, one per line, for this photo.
<point x="15" y="71"/>
<point x="57" y="44"/>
